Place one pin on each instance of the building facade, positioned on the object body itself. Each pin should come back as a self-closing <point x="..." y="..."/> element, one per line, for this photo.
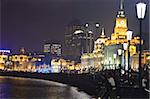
<point x="107" y="47"/>
<point x="119" y="37"/>
<point x="54" y="49"/>
<point x="95" y="59"/>
<point x="78" y="40"/>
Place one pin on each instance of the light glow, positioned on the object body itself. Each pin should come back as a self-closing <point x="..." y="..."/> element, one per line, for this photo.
<point x="5" y="51"/>
<point x="119" y="51"/>
<point x="141" y="9"/>
<point x="86" y="25"/>
<point x="125" y="46"/>
<point x="115" y="56"/>
<point x="129" y="35"/>
<point x="78" y="31"/>
<point x="97" y="25"/>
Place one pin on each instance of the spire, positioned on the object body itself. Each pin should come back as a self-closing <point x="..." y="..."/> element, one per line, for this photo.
<point x="121" y="12"/>
<point x="103" y="32"/>
<point x="121" y="4"/>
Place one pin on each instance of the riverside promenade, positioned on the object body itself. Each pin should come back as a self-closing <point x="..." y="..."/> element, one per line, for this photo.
<point x="95" y="85"/>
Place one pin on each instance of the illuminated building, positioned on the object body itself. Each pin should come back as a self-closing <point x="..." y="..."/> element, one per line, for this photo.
<point x="56" y="65"/>
<point x="106" y="48"/>
<point x="56" y="49"/>
<point x="20" y="62"/>
<point x="22" y="51"/>
<point x="119" y="37"/>
<point x="62" y="65"/>
<point x="111" y="62"/>
<point x="99" y="50"/>
<point x="96" y="58"/>
<point x="23" y="62"/>
<point x="145" y="60"/>
<point x="78" y="40"/>
<point x="3" y="57"/>
<point x="47" y="48"/>
<point x="53" y="48"/>
<point x="87" y="62"/>
<point x="120" y="31"/>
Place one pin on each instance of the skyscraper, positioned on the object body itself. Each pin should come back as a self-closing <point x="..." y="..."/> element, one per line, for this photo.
<point x="78" y="40"/>
<point x="53" y="48"/>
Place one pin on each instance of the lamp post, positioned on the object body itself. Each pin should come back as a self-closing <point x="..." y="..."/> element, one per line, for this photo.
<point x="119" y="53"/>
<point x="129" y="37"/>
<point x="115" y="56"/>
<point x="141" y="9"/>
<point x="87" y="47"/>
<point x="125" y="46"/>
<point x="109" y="62"/>
<point x="120" y="60"/>
<point x="91" y="43"/>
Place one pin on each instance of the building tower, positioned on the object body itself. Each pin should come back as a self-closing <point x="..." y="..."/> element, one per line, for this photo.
<point x="120" y="25"/>
<point x="120" y="31"/>
<point x="118" y="38"/>
<point x="99" y="43"/>
<point x="22" y="51"/>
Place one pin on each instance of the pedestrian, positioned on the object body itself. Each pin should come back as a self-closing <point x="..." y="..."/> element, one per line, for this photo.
<point x="111" y="87"/>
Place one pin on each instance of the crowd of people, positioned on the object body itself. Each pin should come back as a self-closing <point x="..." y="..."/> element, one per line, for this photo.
<point x="115" y="82"/>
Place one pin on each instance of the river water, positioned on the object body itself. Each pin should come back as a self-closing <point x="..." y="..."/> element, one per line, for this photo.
<point x="26" y="88"/>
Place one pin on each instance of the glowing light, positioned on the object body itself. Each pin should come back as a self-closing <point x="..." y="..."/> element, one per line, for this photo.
<point x="129" y="35"/>
<point x="90" y="32"/>
<point x="86" y="25"/>
<point x="115" y="56"/>
<point x="78" y="31"/>
<point x="97" y="25"/>
<point x="119" y="51"/>
<point x="140" y="8"/>
<point x="5" y="51"/>
<point x="125" y="46"/>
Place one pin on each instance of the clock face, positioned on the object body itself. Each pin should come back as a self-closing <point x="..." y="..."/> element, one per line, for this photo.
<point x="122" y="22"/>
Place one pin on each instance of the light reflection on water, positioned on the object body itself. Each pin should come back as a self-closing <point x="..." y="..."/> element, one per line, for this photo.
<point x="26" y="88"/>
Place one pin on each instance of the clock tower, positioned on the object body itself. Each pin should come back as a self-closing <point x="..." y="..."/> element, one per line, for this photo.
<point x="120" y="25"/>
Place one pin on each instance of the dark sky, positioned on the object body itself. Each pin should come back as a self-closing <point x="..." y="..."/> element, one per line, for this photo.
<point x="27" y="23"/>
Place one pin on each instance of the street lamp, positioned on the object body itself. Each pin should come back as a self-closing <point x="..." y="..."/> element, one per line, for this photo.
<point x="129" y="37"/>
<point x="141" y="9"/>
<point x="125" y="46"/>
<point x="119" y="53"/>
<point x="109" y="62"/>
<point x="91" y="43"/>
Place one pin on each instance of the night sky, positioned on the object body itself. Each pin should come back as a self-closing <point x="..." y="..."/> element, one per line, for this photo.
<point x="27" y="23"/>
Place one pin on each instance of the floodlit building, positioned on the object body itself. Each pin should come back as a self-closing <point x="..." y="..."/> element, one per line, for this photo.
<point x="4" y="55"/>
<point x="96" y="58"/>
<point x="66" y="66"/>
<point x="119" y="37"/>
<point x="47" y="48"/>
<point x="56" y="49"/>
<point x="20" y="61"/>
<point x="105" y="54"/>
<point x="53" y="48"/>
<point x="145" y="60"/>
